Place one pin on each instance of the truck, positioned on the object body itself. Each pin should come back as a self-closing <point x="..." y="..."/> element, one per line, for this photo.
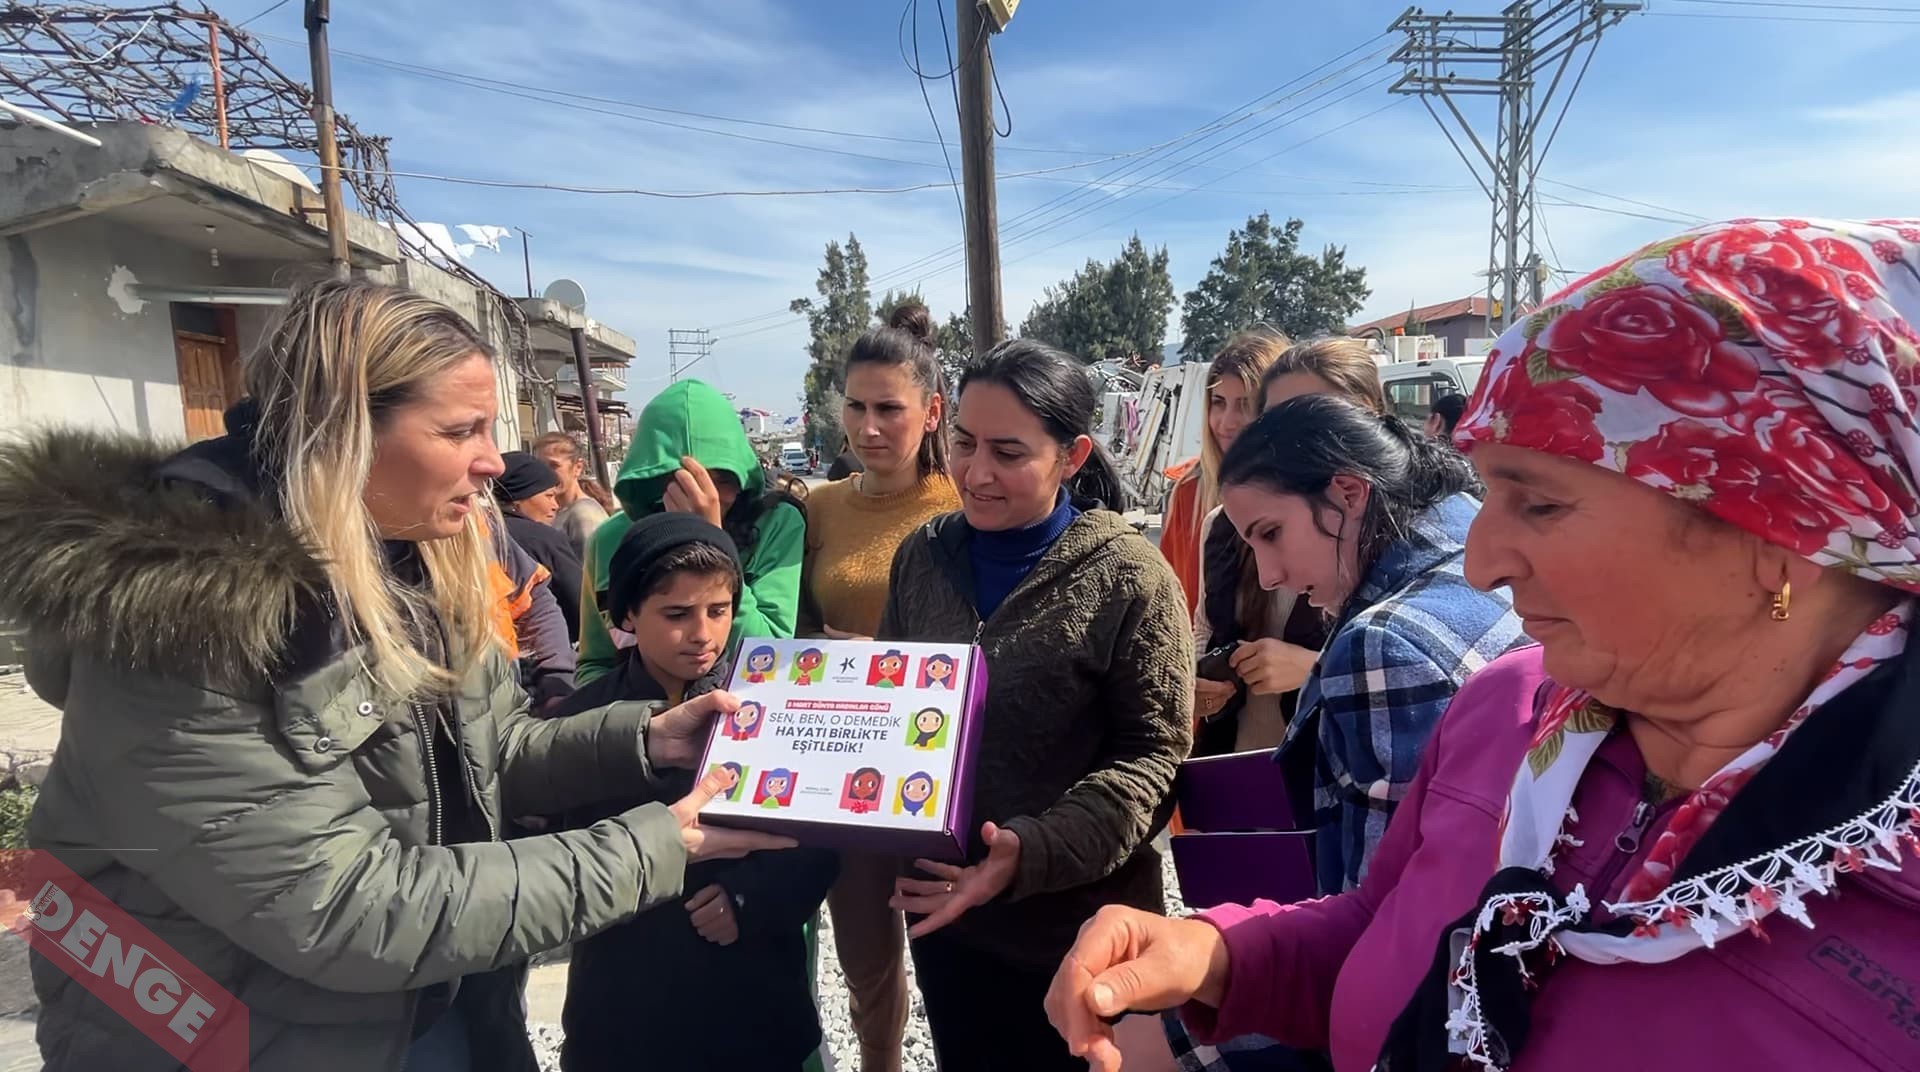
<point x="1153" y="422"/>
<point x="794" y="459"/>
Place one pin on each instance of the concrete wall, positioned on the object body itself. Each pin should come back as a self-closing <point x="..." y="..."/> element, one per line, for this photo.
<point x="78" y="346"/>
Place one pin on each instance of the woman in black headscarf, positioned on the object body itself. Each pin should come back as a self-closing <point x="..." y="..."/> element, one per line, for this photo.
<point x="528" y="494"/>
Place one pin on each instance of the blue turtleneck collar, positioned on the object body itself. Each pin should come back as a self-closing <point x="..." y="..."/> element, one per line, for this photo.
<point x="1001" y="560"/>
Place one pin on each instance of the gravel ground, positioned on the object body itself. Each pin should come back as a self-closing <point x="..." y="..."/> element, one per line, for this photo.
<point x="842" y="1051"/>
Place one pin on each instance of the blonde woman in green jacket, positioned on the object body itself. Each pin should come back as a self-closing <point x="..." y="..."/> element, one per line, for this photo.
<point x="690" y="454"/>
<point x="289" y="729"/>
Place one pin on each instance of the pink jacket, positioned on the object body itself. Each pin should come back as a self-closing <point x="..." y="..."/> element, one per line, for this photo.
<point x="1333" y="973"/>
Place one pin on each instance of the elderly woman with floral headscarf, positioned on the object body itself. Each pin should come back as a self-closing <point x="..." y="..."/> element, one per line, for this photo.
<point x="1627" y="847"/>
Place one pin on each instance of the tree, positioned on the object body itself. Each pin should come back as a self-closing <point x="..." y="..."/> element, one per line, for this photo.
<point x="1263" y="277"/>
<point x="955" y="340"/>
<point x="1114" y="311"/>
<point x="837" y="318"/>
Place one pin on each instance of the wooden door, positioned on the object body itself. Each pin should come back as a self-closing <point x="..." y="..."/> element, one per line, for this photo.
<point x="208" y="382"/>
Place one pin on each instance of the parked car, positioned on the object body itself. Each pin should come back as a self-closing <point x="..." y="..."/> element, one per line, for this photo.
<point x="1413" y="385"/>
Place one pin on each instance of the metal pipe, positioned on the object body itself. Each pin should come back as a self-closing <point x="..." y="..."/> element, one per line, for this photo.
<point x="588" y="403"/>
<point x="39" y="120"/>
<point x="219" y="83"/>
<point x="526" y="255"/>
<point x="329" y="147"/>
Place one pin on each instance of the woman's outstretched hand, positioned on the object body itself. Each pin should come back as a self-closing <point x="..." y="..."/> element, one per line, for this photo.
<point x="953" y="890"/>
<point x="677" y="736"/>
<point x="717" y="842"/>
<point x="1126" y="960"/>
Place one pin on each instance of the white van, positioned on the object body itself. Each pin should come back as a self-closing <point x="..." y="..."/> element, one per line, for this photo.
<point x="1412" y="386"/>
<point x="793" y="458"/>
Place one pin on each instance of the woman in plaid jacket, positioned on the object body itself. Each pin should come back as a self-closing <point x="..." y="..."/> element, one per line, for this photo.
<point x="1367" y="519"/>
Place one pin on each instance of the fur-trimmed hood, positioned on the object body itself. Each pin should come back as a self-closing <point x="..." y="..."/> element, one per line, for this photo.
<point x="112" y="554"/>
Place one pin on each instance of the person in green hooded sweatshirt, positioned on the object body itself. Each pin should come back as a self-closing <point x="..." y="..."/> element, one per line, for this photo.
<point x="690" y="454"/>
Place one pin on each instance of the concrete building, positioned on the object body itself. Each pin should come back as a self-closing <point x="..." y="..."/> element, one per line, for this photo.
<point x="1453" y="322"/>
<point x="134" y="276"/>
<point x="550" y="400"/>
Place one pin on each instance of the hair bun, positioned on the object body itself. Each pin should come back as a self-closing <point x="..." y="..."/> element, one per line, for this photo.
<point x="914" y="319"/>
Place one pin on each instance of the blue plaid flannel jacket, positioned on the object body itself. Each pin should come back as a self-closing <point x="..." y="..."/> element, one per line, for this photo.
<point x="1408" y="638"/>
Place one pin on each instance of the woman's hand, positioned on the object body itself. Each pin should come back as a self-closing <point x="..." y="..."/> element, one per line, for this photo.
<point x="1271" y="667"/>
<point x="677" y="736"/>
<point x="947" y="897"/>
<point x="1210" y="697"/>
<point x="691" y="491"/>
<point x="717" y="842"/>
<point x="1126" y="960"/>
<point x="836" y="634"/>
<point x="711" y="912"/>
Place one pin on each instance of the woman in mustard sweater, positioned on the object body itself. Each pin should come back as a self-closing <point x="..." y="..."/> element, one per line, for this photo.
<point x="895" y="418"/>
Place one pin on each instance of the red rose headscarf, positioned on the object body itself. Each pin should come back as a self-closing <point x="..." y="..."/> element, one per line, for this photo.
<point x="1761" y="369"/>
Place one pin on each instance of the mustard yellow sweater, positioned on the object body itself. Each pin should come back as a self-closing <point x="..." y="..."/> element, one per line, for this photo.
<point x="851" y="539"/>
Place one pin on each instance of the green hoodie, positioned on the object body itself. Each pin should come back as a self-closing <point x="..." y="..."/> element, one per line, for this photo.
<point x="692" y="419"/>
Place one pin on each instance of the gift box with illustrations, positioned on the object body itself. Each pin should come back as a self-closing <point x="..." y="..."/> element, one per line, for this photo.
<point x="865" y="745"/>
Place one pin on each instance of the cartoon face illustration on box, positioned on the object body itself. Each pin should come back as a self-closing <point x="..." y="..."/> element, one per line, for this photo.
<point x="776" y="788"/>
<point x="761" y="666"/>
<point x="809" y="667"/>
<point x="744" y="724"/>
<point x="863" y="791"/>
<point x="938" y="672"/>
<point x="917" y="795"/>
<point x="738" y="774"/>
<point x="889" y="670"/>
<point x="927" y="729"/>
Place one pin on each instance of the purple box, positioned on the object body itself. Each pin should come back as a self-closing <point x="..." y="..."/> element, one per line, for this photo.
<point x="1240" y="868"/>
<point x="853" y="744"/>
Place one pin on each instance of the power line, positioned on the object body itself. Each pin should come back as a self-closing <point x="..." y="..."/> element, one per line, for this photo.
<point x="1225" y="121"/>
<point x="920" y="79"/>
<point x="262" y="16"/>
<point x="1569" y="203"/>
<point x="1220" y="124"/>
<point x="1802" y="6"/>
<point x="563" y="98"/>
<point x="1176" y="167"/>
<point x="1627" y="200"/>
<point x="1783" y="18"/>
<point x="1072" y="205"/>
<point x="1305" y="141"/>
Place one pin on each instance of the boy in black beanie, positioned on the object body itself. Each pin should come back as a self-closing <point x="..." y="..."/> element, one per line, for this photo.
<point x="722" y="981"/>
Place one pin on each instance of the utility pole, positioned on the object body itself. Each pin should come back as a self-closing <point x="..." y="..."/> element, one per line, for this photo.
<point x="685" y="349"/>
<point x="976" y="155"/>
<point x="329" y="142"/>
<point x="589" y="403"/>
<point x="1449" y="57"/>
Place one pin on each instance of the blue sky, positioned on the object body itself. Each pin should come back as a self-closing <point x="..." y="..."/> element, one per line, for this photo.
<point x="1704" y="116"/>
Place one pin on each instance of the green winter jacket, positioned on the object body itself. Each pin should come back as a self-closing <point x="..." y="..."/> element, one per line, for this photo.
<point x="691" y="419"/>
<point x="256" y="802"/>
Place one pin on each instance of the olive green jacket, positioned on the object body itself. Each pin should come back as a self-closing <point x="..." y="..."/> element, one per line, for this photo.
<point x="273" y="826"/>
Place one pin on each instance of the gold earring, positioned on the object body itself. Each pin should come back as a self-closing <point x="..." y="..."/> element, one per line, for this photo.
<point x="1780" y="601"/>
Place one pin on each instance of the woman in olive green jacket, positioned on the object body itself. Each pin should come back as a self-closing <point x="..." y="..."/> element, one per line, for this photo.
<point x="288" y="745"/>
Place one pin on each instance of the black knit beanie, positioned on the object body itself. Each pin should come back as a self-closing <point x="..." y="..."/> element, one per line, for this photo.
<point x="525" y="477"/>
<point x="645" y="543"/>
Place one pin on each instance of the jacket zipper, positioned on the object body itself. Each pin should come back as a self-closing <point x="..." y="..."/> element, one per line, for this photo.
<point x="425" y="728"/>
<point x="1628" y="841"/>
<point x="1626" y="844"/>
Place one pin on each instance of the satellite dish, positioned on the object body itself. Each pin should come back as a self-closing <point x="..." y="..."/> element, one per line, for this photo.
<point x="567" y="293"/>
<point x="275" y="164"/>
